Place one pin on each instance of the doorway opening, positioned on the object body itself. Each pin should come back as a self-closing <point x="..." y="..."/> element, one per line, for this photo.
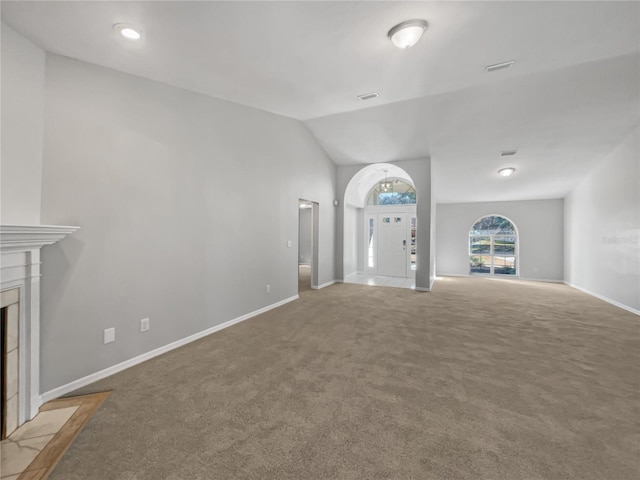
<point x="308" y="220"/>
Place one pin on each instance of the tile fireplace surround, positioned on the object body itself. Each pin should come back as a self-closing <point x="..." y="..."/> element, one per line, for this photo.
<point x="20" y="289"/>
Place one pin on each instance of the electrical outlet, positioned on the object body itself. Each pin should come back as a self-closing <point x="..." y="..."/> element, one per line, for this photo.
<point x="267" y="289"/>
<point x="109" y="335"/>
<point x="144" y="325"/>
<point x="289" y="243"/>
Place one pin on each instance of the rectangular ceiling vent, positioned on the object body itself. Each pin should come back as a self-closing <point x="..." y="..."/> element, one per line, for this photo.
<point x="508" y="153"/>
<point x="499" y="66"/>
<point x="368" y="96"/>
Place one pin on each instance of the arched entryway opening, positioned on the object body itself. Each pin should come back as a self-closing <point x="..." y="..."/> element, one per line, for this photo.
<point x="380" y="227"/>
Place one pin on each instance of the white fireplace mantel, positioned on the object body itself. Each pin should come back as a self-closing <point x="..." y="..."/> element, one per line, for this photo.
<point x="28" y="237"/>
<point x="20" y="269"/>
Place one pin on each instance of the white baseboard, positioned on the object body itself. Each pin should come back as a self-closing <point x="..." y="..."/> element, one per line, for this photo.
<point x="549" y="280"/>
<point x="545" y="280"/>
<point x="605" y="299"/>
<point x="94" y="377"/>
<point x="504" y="277"/>
<point x="326" y="284"/>
<point x="422" y="289"/>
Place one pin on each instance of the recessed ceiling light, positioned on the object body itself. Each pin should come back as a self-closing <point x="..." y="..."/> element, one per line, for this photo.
<point x="407" y="34"/>
<point x="127" y="31"/>
<point x="368" y="96"/>
<point x="506" y="172"/>
<point x="508" y="153"/>
<point x="499" y="66"/>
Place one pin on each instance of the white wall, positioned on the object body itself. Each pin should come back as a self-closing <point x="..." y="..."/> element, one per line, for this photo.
<point x="539" y="223"/>
<point x="352" y="224"/>
<point x="23" y="66"/>
<point x="185" y="204"/>
<point x="304" y="239"/>
<point x="602" y="227"/>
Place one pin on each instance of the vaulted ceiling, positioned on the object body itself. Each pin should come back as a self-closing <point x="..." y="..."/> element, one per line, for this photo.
<point x="571" y="96"/>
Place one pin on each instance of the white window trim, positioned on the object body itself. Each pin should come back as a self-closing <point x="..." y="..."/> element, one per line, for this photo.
<point x="492" y="254"/>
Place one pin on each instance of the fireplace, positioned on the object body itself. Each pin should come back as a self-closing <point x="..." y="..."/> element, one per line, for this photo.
<point x="9" y="308"/>
<point x="20" y="305"/>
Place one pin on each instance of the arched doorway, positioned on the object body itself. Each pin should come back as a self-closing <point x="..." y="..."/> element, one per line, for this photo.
<point x="380" y="226"/>
<point x="493" y="246"/>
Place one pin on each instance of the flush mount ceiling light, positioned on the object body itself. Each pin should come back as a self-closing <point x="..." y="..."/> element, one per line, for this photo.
<point x="506" y="172"/>
<point x="499" y="66"/>
<point x="127" y="31"/>
<point x="407" y="34"/>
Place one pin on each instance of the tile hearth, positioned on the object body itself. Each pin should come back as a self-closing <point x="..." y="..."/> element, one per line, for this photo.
<point x="24" y="445"/>
<point x="32" y="451"/>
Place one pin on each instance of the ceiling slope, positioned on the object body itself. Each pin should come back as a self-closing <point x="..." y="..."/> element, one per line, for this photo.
<point x="571" y="96"/>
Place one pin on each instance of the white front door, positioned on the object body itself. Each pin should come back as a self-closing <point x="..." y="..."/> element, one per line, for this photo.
<point x="392" y="244"/>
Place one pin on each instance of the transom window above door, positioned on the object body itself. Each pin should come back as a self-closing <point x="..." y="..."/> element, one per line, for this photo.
<point x="392" y="192"/>
<point x="493" y="246"/>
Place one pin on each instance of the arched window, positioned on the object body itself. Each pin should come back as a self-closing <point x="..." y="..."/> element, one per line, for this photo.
<point x="493" y="246"/>
<point x="392" y="192"/>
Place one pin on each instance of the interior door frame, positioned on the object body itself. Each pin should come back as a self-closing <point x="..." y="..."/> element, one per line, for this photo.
<point x="372" y="211"/>
<point x="315" y="235"/>
<point x="393" y="219"/>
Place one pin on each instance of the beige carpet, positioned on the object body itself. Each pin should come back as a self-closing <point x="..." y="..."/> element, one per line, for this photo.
<point x="480" y="379"/>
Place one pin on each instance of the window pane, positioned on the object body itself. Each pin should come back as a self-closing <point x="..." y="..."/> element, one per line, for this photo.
<point x="504" y="245"/>
<point x="504" y="265"/>
<point x="493" y="224"/>
<point x="480" y="245"/>
<point x="480" y="263"/>
<point x="370" y="260"/>
<point x="492" y="246"/>
<point x="392" y="192"/>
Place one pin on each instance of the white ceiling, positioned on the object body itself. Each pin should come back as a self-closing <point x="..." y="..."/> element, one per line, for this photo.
<point x="571" y="96"/>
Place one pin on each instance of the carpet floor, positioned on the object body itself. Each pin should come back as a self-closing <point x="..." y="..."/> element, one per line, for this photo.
<point x="479" y="379"/>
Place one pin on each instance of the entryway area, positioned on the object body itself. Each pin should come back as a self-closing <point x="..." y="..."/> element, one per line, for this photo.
<point x="381" y="281"/>
<point x="380" y="228"/>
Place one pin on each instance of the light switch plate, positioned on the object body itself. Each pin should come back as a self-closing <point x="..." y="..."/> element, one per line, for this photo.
<point x="144" y="325"/>
<point x="109" y="335"/>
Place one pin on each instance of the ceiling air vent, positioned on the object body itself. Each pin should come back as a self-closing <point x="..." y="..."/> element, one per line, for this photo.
<point x="508" y="153"/>
<point x="368" y="96"/>
<point x="499" y="66"/>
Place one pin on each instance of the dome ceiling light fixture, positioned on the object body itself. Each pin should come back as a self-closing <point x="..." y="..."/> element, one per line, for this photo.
<point x="506" y="172"/>
<point x="407" y="34"/>
<point x="127" y="31"/>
